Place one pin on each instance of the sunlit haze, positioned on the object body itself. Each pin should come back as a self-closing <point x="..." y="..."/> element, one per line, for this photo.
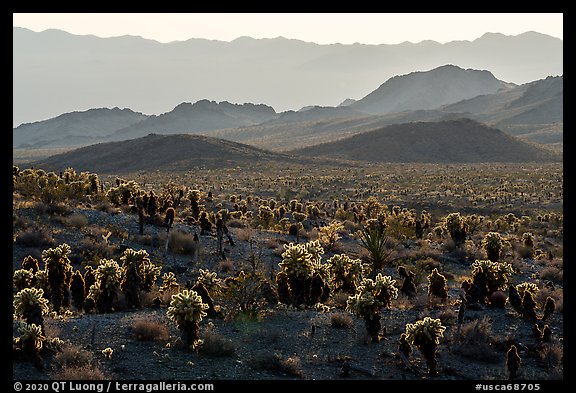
<point x="322" y="28"/>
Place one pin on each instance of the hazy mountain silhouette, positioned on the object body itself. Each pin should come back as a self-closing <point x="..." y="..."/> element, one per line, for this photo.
<point x="428" y="90"/>
<point x="159" y="152"/>
<point x="55" y="72"/>
<point x="195" y="118"/>
<point x="533" y="111"/>
<point x="76" y="128"/>
<point x="451" y="141"/>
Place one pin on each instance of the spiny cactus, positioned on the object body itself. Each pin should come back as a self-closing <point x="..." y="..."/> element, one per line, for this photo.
<point x="22" y="278"/>
<point x="513" y="362"/>
<point x="186" y="310"/>
<point x="59" y="272"/>
<point x="329" y="234"/>
<point x="169" y="283"/>
<point x="345" y="273"/>
<point x="549" y="308"/>
<point x="147" y="271"/>
<point x="30" y="343"/>
<point x="266" y="216"/>
<point x="31" y="305"/>
<point x="457" y="227"/>
<point x="522" y="287"/>
<point x="529" y="305"/>
<point x="425" y="335"/>
<point x="490" y="276"/>
<point x="528" y="243"/>
<point x="30" y="263"/>
<point x="437" y="285"/>
<point x="210" y="281"/>
<point x="408" y="287"/>
<point x="104" y="291"/>
<point x="492" y="243"/>
<point x="302" y="271"/>
<point x="77" y="289"/>
<point x="370" y="297"/>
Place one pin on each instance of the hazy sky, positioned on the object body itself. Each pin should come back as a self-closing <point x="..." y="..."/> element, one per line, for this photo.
<point x="322" y="28"/>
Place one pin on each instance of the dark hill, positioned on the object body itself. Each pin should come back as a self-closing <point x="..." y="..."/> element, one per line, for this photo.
<point x="451" y="141"/>
<point x="159" y="152"/>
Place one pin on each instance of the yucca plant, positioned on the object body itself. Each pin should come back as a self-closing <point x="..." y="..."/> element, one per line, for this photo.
<point x="425" y="335"/>
<point x="59" y="272"/>
<point x="370" y="297"/>
<point x="492" y="243"/>
<point x="373" y="238"/>
<point x="31" y="305"/>
<point x="186" y="310"/>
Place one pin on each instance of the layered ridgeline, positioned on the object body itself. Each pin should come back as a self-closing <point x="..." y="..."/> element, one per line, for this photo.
<point x="152" y="77"/>
<point x="453" y="141"/>
<point x="159" y="152"/>
<point x="103" y="125"/>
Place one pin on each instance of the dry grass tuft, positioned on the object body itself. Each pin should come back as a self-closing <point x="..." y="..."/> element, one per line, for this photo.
<point x="145" y="329"/>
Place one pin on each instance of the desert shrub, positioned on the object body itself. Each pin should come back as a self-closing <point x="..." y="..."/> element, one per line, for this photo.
<point x="182" y="243"/>
<point x="247" y="293"/>
<point x="473" y="340"/>
<point x="76" y="221"/>
<point x="90" y="372"/>
<point x="341" y="320"/>
<point x="146" y="329"/>
<point x="73" y="356"/>
<point x="35" y="237"/>
<point x="216" y="345"/>
<point x="186" y="310"/>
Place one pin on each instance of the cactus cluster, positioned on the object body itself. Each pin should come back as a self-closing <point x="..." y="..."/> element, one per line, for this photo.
<point x="345" y="273"/>
<point x="437" y="285"/>
<point x="31" y="305"/>
<point x="302" y="278"/>
<point x="370" y="297"/>
<point x="425" y="334"/>
<point x="59" y="273"/>
<point x="104" y="291"/>
<point x="186" y="310"/>
<point x="490" y="276"/>
<point x="457" y="227"/>
<point x="492" y="243"/>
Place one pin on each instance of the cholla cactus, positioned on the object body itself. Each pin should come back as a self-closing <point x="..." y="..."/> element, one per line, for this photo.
<point x="187" y="310"/>
<point x="77" y="289"/>
<point x="370" y="297"/>
<point x="30" y="304"/>
<point x="30" y="263"/>
<point x="528" y="240"/>
<point x="345" y="273"/>
<point x="59" y="272"/>
<point x="123" y="193"/>
<point x="457" y="227"/>
<point x="522" y="287"/>
<point x="493" y="244"/>
<point x="22" y="278"/>
<point x="425" y="335"/>
<point x="266" y="215"/>
<point x="303" y="274"/>
<point x="492" y="275"/>
<point x="210" y="281"/>
<point x="437" y="285"/>
<point x="147" y="270"/>
<point x="329" y="234"/>
<point x="169" y="283"/>
<point x="31" y="339"/>
<point x="103" y="291"/>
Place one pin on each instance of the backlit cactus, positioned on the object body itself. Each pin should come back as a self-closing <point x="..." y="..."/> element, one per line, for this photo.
<point x="22" y="278"/>
<point x="490" y="276"/>
<point x="329" y="234"/>
<point x="31" y="305"/>
<point x="437" y="285"/>
<point x="370" y="297"/>
<point x="186" y="310"/>
<point x="104" y="291"/>
<point x="31" y="339"/>
<point x="345" y="273"/>
<point x="457" y="227"/>
<point x="492" y="243"/>
<point x="59" y="272"/>
<point x="425" y="335"/>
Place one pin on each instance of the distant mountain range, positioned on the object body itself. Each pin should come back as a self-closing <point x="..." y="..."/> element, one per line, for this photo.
<point x="533" y="111"/>
<point x="464" y="140"/>
<point x="55" y="72"/>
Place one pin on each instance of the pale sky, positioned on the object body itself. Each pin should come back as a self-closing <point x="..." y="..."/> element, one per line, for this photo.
<point x="322" y="28"/>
